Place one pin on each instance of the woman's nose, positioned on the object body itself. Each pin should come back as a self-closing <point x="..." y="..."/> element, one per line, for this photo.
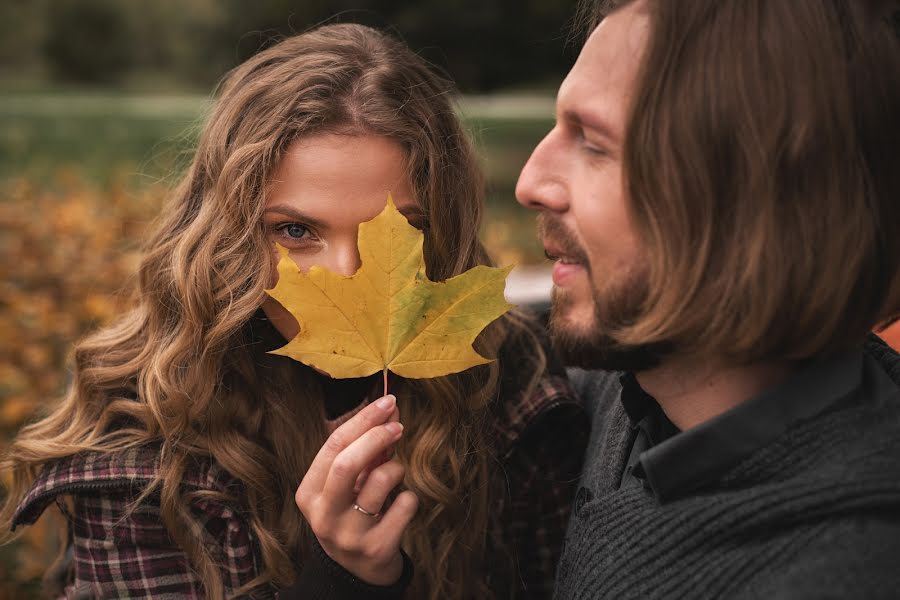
<point x="346" y="259"/>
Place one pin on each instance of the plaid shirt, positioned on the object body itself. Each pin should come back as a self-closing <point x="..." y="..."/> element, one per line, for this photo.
<point x="116" y="554"/>
<point x="540" y="439"/>
<point x="543" y="438"/>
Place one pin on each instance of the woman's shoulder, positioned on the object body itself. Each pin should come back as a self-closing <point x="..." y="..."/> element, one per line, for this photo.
<point x="105" y="505"/>
<point x="124" y="472"/>
<point x="534" y="396"/>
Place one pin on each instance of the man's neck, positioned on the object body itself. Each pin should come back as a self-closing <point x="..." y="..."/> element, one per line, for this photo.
<point x="691" y="392"/>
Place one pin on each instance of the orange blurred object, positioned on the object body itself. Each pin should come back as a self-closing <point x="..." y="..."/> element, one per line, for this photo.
<point x="891" y="335"/>
<point x="56" y="285"/>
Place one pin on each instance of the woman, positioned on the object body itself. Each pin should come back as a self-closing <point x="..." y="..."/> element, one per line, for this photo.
<point x="178" y="451"/>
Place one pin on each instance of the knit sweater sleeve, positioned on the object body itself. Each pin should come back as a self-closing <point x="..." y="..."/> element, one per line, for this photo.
<point x="321" y="578"/>
<point x="856" y="558"/>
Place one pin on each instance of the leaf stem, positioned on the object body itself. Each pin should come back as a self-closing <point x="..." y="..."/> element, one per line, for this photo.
<point x="385" y="382"/>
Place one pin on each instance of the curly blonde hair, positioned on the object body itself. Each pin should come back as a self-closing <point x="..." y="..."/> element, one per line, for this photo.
<point x="180" y="369"/>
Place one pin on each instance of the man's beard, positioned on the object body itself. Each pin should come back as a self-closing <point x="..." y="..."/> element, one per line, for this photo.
<point x="620" y="305"/>
<point x="591" y="347"/>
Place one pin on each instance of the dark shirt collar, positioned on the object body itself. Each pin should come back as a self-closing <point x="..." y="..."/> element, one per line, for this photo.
<point x="685" y="461"/>
<point x="638" y="404"/>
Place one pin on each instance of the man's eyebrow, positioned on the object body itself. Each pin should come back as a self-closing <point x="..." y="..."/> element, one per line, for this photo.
<point x="590" y="122"/>
<point x="290" y="211"/>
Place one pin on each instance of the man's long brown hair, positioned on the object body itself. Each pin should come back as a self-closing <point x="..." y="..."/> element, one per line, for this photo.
<point x="762" y="159"/>
<point x="181" y="369"/>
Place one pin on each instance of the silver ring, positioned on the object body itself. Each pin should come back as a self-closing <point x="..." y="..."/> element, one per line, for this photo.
<point x="374" y="515"/>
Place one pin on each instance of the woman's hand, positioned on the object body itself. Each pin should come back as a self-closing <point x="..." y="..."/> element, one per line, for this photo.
<point x="356" y="530"/>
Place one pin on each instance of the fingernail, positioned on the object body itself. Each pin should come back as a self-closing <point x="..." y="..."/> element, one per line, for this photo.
<point x="387" y="402"/>
<point x="393" y="427"/>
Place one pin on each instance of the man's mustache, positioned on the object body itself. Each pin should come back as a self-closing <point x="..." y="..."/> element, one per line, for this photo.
<point x="554" y="233"/>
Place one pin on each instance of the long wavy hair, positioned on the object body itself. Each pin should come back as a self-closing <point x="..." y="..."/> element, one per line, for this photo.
<point x="180" y="369"/>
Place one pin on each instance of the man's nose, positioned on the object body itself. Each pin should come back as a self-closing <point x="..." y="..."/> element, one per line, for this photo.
<point x="542" y="183"/>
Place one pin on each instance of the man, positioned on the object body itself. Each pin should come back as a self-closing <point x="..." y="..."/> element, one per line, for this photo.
<point x="721" y="194"/>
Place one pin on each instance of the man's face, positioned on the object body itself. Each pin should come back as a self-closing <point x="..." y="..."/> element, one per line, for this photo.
<point x="574" y="179"/>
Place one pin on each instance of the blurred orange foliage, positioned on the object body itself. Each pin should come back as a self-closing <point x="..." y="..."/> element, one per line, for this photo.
<point x="69" y="252"/>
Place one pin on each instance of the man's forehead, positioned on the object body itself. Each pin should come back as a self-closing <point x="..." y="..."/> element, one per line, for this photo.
<point x="604" y="75"/>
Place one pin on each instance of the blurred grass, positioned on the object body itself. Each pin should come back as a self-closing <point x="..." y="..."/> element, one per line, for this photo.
<point x="101" y="133"/>
<point x="102" y="136"/>
<point x="140" y="141"/>
<point x="82" y="176"/>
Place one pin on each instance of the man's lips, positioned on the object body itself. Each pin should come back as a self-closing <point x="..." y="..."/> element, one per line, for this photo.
<point x="561" y="258"/>
<point x="566" y="265"/>
<point x="564" y="272"/>
<point x="558" y="254"/>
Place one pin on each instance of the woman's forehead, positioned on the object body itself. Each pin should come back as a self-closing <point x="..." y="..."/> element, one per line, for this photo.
<point x="343" y="177"/>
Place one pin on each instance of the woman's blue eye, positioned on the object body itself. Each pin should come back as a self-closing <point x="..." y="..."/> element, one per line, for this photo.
<point x="295" y="230"/>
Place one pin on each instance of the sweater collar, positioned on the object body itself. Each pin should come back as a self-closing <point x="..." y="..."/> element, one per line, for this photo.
<point x="687" y="460"/>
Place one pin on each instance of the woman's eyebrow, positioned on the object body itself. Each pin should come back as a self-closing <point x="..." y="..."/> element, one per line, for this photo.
<point x="290" y="211"/>
<point x="413" y="214"/>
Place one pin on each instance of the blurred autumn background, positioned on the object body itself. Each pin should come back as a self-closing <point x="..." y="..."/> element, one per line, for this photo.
<point x="101" y="102"/>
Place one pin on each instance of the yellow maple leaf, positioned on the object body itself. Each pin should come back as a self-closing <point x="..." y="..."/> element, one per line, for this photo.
<point x="388" y="316"/>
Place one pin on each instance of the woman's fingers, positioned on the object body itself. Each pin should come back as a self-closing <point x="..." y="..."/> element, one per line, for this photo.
<point x="395" y="520"/>
<point x="370" y="416"/>
<point x="388" y="455"/>
<point x="381" y="481"/>
<point x="346" y="466"/>
<point x="355" y="454"/>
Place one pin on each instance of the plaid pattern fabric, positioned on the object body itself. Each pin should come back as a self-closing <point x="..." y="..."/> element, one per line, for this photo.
<point x="539" y="440"/>
<point x="544" y="437"/>
<point x="122" y="554"/>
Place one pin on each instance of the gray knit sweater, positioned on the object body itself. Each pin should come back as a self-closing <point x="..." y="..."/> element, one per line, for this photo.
<point x="816" y="514"/>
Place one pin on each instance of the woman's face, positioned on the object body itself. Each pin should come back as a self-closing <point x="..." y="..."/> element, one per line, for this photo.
<point x="320" y="191"/>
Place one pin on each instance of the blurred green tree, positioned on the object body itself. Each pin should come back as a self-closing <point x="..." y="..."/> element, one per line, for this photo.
<point x="22" y="28"/>
<point x="482" y="44"/>
<point x="88" y="40"/>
